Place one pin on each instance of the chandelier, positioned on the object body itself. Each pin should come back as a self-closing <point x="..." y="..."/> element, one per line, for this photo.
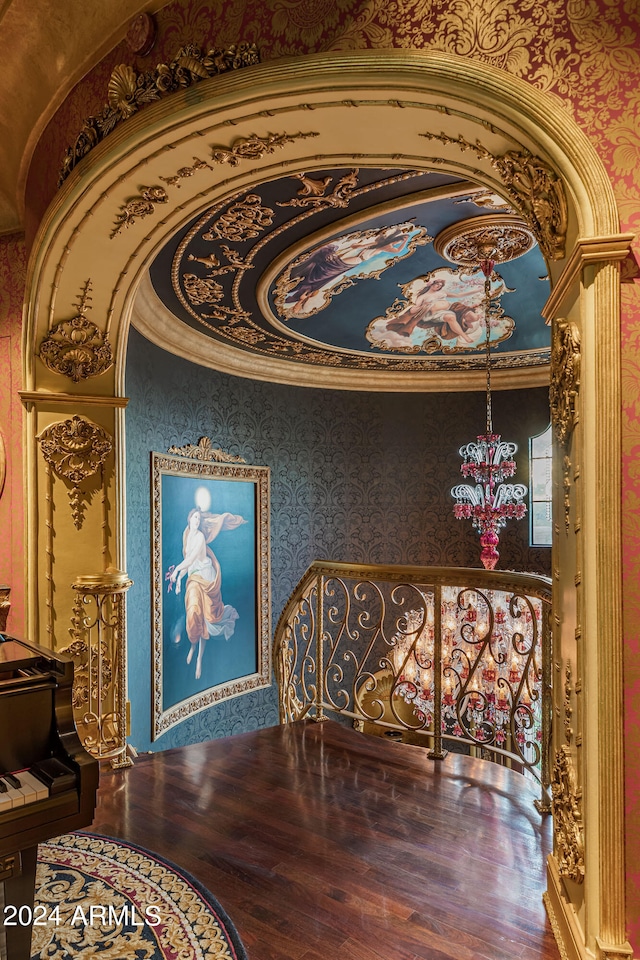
<point x="489" y="461"/>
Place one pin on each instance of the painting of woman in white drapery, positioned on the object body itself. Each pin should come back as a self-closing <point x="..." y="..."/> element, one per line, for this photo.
<point x="206" y="613"/>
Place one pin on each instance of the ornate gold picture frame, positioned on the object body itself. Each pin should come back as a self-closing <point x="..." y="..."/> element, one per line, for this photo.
<point x="211" y="583"/>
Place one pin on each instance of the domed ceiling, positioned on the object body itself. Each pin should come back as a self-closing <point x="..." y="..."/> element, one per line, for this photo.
<point x="361" y="268"/>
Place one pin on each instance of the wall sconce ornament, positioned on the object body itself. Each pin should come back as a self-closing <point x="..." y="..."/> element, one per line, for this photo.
<point x="76" y="348"/>
<point x="75" y="450"/>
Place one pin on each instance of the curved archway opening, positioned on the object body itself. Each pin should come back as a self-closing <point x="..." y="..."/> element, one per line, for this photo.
<point x="467" y="121"/>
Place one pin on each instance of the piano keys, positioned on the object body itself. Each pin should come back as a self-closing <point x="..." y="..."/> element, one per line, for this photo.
<point x="48" y="781"/>
<point x="21" y="789"/>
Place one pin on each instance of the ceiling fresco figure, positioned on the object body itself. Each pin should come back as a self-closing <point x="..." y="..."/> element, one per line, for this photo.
<point x="441" y="311"/>
<point x="332" y="267"/>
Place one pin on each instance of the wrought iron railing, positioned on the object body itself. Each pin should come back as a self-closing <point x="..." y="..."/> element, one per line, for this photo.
<point x="441" y="655"/>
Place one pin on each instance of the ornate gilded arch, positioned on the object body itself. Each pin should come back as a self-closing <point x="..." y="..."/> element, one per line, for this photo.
<point x="115" y="210"/>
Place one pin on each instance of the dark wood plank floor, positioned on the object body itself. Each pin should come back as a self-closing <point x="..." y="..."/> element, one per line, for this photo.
<point x="324" y="844"/>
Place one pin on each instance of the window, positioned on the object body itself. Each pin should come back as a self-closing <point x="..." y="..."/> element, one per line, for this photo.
<point x="540" y="485"/>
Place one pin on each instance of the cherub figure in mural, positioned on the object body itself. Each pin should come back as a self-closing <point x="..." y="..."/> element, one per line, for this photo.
<point x="437" y="314"/>
<point x="206" y="614"/>
<point x="323" y="270"/>
<point x="441" y="311"/>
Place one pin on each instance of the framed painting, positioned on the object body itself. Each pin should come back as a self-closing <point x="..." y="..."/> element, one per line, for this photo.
<point x="211" y="585"/>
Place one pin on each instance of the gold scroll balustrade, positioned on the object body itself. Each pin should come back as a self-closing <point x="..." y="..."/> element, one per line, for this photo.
<point x="440" y="654"/>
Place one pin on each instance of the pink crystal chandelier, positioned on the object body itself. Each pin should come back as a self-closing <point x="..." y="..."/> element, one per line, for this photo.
<point x="489" y="461"/>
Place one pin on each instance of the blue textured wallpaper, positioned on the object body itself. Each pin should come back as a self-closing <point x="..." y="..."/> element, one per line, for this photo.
<point x="354" y="476"/>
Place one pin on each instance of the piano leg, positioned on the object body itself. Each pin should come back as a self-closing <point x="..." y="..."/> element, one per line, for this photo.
<point x="19" y="891"/>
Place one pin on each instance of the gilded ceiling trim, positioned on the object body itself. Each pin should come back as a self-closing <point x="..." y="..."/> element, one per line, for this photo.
<point x="499" y="238"/>
<point x="408" y="159"/>
<point x="243" y="148"/>
<point x="152" y="319"/>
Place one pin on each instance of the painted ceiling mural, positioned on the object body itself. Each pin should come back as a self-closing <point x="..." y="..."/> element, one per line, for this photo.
<point x="361" y="268"/>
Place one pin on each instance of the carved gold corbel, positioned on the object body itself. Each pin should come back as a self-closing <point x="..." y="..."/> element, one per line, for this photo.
<point x="75" y="450"/>
<point x="563" y="395"/>
<point x="76" y="348"/>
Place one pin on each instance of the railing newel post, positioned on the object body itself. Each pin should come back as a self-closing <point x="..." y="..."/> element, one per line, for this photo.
<point x="319" y="714"/>
<point x="437" y="753"/>
<point x="544" y="804"/>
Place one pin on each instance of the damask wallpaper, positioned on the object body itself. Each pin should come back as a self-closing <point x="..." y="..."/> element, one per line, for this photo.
<point x="12" y="280"/>
<point x="354" y="476"/>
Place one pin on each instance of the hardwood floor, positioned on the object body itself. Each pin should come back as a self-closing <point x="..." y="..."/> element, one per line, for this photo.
<point x="324" y="844"/>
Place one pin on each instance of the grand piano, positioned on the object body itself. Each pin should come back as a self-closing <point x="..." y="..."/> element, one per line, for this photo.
<point x="48" y="781"/>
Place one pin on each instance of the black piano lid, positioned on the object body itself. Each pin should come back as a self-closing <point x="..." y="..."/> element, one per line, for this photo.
<point x="15" y="655"/>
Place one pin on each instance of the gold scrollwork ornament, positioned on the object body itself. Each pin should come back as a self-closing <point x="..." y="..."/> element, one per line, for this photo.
<point x="139" y="207"/>
<point x="563" y="396"/>
<point x="75" y="450"/>
<point x="254" y="147"/>
<point x="205" y="451"/>
<point x="128" y="91"/>
<point x="532" y="186"/>
<point x="567" y="816"/>
<point x="242" y="221"/>
<point x="77" y="348"/>
<point x="565" y="378"/>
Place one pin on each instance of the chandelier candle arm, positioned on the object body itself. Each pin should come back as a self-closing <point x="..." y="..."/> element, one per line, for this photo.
<point x="489" y="461"/>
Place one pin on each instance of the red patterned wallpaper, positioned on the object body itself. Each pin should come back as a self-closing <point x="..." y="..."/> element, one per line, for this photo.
<point x="12" y="281"/>
<point x="586" y="53"/>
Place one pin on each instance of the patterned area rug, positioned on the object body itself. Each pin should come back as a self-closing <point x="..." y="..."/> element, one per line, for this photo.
<point x="102" y="898"/>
